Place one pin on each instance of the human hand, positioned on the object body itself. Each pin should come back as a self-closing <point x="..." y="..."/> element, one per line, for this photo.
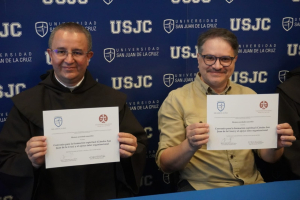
<point x="36" y="149"/>
<point x="197" y="135"/>
<point x="128" y="144"/>
<point x="285" y="135"/>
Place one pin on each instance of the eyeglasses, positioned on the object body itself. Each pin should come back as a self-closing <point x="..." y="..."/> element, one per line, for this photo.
<point x="225" y="61"/>
<point x="64" y="53"/>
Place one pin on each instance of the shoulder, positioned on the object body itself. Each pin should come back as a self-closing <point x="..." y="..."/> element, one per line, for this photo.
<point x="292" y="83"/>
<point x="181" y="92"/>
<point x="179" y="97"/>
<point x="109" y="91"/>
<point x="240" y="89"/>
<point x="290" y="88"/>
<point x="28" y="96"/>
<point x="110" y="94"/>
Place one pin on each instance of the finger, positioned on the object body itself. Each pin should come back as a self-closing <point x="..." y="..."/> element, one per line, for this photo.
<point x="38" y="138"/>
<point x="35" y="141"/>
<point x="288" y="138"/>
<point x="197" y="125"/>
<point x="33" y="151"/>
<point x="125" y="135"/>
<point x="125" y="154"/>
<point x="199" y="143"/>
<point x="286" y="143"/>
<point x="37" y="144"/>
<point x="199" y="131"/>
<point x="37" y="155"/>
<point x="284" y="126"/>
<point x="129" y="141"/>
<point x="285" y="132"/>
<point x="128" y="148"/>
<point x="197" y="138"/>
<point x="32" y="145"/>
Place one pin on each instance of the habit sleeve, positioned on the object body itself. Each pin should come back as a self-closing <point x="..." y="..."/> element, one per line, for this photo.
<point x="16" y="170"/>
<point x="133" y="166"/>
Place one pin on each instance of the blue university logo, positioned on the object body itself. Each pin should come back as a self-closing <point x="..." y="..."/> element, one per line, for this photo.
<point x="287" y="23"/>
<point x="41" y="28"/>
<point x="168" y="79"/>
<point x="109" y="54"/>
<point x="58" y="121"/>
<point x="108" y="1"/>
<point x="221" y="105"/>
<point x="282" y="75"/>
<point x="169" y="25"/>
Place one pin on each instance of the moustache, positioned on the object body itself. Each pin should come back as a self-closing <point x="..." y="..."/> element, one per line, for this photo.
<point x="217" y="71"/>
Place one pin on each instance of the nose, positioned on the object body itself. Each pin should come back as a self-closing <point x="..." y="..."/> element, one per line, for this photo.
<point x="217" y="65"/>
<point x="69" y="58"/>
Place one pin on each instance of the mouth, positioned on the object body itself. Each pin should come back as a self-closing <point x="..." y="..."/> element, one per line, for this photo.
<point x="69" y="68"/>
<point x="217" y="72"/>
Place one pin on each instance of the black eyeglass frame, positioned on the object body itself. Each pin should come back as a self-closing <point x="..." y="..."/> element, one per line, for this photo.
<point x="216" y="58"/>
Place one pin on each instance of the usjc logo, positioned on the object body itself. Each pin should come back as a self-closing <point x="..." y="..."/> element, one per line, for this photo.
<point x="168" y="79"/>
<point x="62" y="2"/>
<point x="41" y="28"/>
<point x="128" y="27"/>
<point x="108" y="1"/>
<point x="220" y="105"/>
<point x="169" y="25"/>
<point x="293" y="49"/>
<point x="229" y="1"/>
<point x="282" y="75"/>
<point x="10" y="29"/>
<point x="263" y="105"/>
<point x="189" y="1"/>
<point x="58" y="121"/>
<point x="103" y="118"/>
<point x="14" y="89"/>
<point x="128" y="82"/>
<point x="109" y="54"/>
<point x="287" y="23"/>
<point x="246" y="24"/>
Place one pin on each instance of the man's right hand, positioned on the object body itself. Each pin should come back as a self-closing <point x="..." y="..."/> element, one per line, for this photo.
<point x="197" y="135"/>
<point x="36" y="149"/>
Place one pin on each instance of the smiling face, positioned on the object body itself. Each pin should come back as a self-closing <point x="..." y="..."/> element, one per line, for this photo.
<point x="216" y="76"/>
<point x="69" y="70"/>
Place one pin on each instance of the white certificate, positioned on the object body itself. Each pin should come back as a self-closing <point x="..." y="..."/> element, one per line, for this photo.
<point x="81" y="136"/>
<point x="242" y="121"/>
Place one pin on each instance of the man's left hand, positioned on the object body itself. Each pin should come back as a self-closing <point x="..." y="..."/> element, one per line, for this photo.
<point x="285" y="135"/>
<point x="128" y="144"/>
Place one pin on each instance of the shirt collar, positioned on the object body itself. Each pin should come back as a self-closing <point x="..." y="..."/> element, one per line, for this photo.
<point x="70" y="87"/>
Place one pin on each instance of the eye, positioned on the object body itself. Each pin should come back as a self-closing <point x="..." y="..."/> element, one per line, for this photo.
<point x="77" y="53"/>
<point x="225" y="59"/>
<point x="60" y="52"/>
<point x="209" y="57"/>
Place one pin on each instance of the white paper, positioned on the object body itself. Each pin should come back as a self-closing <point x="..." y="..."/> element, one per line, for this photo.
<point x="242" y="121"/>
<point x="81" y="136"/>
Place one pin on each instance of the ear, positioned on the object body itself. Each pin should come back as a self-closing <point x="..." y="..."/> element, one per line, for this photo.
<point x="50" y="53"/>
<point x="198" y="57"/>
<point x="236" y="58"/>
<point x="89" y="56"/>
